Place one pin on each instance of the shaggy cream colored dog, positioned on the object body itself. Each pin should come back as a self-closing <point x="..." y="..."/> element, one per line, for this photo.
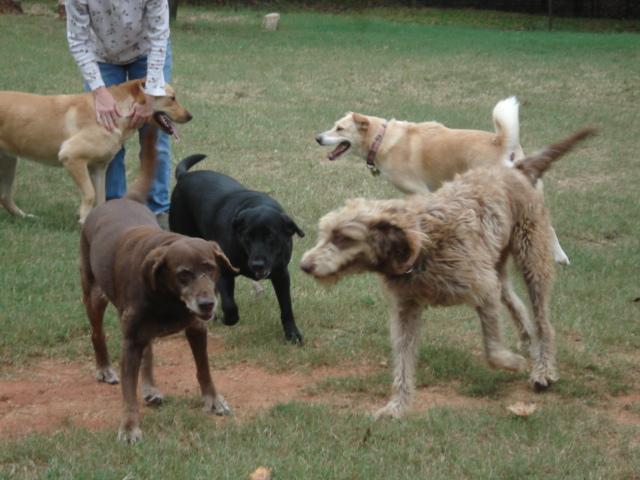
<point x="448" y="248"/>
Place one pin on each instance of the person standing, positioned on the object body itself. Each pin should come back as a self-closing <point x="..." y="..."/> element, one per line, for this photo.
<point x="113" y="41"/>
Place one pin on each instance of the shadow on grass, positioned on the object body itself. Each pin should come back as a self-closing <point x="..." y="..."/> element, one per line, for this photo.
<point x="476" y="379"/>
<point x="437" y="364"/>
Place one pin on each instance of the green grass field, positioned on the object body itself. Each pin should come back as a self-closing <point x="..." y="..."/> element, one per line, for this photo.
<point x="258" y="99"/>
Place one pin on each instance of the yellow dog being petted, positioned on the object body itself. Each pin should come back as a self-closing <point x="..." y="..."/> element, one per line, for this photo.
<point x="62" y="131"/>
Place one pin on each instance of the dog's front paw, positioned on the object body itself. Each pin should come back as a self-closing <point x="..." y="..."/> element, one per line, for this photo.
<point x="393" y="409"/>
<point x="129" y="435"/>
<point x="152" y="396"/>
<point x="507" y="360"/>
<point x="294" y="336"/>
<point x="230" y="316"/>
<point x="107" y="375"/>
<point x="542" y="378"/>
<point x="217" y="405"/>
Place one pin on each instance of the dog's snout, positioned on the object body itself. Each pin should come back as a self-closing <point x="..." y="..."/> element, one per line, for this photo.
<point x="189" y="117"/>
<point x="319" y="139"/>
<point x="206" y="304"/>
<point x="258" y="264"/>
<point x="306" y="267"/>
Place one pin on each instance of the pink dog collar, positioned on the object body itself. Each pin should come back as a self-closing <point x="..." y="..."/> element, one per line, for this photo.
<point x="371" y="156"/>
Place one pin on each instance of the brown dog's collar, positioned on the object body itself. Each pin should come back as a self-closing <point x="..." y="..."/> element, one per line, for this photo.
<point x="373" y="151"/>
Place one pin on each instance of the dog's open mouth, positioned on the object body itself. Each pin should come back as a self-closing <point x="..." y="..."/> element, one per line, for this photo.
<point x="166" y="124"/>
<point x="205" y="314"/>
<point x="339" y="150"/>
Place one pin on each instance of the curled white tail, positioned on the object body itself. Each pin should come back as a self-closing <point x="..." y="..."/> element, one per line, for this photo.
<point x="507" y="122"/>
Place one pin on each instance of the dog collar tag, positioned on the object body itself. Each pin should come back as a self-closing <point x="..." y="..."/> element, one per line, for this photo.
<point x="375" y="171"/>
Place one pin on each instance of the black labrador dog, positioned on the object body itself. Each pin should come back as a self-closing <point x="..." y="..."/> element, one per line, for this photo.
<point x="252" y="229"/>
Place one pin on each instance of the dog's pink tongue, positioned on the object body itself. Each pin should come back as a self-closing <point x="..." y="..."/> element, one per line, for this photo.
<point x="175" y="133"/>
<point x="339" y="150"/>
<point x="333" y="154"/>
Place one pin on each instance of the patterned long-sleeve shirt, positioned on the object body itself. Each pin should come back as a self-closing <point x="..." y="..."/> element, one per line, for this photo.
<point x="119" y="32"/>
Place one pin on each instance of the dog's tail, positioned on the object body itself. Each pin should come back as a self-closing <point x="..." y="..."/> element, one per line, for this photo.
<point x="535" y="165"/>
<point x="507" y="124"/>
<point x="186" y="163"/>
<point x="148" y="156"/>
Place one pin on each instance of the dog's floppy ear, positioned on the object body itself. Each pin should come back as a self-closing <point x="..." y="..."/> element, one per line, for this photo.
<point x="153" y="265"/>
<point x="291" y="227"/>
<point x="396" y="248"/>
<point x="238" y="222"/>
<point x="137" y="91"/>
<point x="362" y="122"/>
<point x="222" y="258"/>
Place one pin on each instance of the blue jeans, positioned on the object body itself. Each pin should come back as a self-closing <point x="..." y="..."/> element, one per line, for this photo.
<point x="116" y="181"/>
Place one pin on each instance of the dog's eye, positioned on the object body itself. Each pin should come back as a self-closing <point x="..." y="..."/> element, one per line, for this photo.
<point x="211" y="268"/>
<point x="339" y="129"/>
<point x="340" y="240"/>
<point x="185" y="276"/>
<point x="173" y="98"/>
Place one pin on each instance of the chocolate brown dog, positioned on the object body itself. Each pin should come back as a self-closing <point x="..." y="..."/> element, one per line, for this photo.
<point x="159" y="282"/>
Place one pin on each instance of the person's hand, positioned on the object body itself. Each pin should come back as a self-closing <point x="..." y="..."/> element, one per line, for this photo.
<point x="107" y="112"/>
<point x="141" y="112"/>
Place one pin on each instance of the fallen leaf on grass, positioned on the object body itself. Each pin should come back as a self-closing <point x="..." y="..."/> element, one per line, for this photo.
<point x="522" y="409"/>
<point x="261" y="473"/>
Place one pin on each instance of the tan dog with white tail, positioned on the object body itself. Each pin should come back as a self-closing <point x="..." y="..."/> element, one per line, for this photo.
<point x="62" y="130"/>
<point x="420" y="157"/>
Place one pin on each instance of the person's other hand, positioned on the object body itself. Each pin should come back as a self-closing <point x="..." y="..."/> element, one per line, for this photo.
<point x="141" y="112"/>
<point x="107" y="113"/>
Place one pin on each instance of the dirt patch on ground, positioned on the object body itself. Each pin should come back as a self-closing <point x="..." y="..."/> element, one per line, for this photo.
<point x="55" y="394"/>
<point x="625" y="409"/>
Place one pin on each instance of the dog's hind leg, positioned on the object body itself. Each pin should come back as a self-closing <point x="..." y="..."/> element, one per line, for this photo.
<point x="406" y="323"/>
<point x="95" y="304"/>
<point x="8" y="165"/>
<point x="544" y="359"/>
<point x="534" y="258"/>
<point x="150" y="392"/>
<point x="526" y="332"/>
<point x="213" y="402"/>
<point x="497" y="354"/>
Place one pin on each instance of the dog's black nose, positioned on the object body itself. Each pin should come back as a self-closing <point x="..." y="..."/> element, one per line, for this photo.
<point x="319" y="139"/>
<point x="189" y="117"/>
<point x="306" y="267"/>
<point x="206" y="305"/>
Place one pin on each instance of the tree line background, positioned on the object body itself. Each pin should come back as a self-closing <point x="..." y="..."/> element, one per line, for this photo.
<point x="628" y="9"/>
<point x="621" y="9"/>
